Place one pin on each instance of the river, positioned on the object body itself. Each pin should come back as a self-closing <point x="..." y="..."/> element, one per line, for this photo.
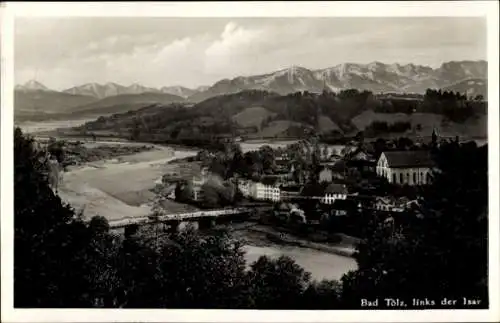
<point x="321" y="265"/>
<point x="121" y="187"/>
<point x="41" y="126"/>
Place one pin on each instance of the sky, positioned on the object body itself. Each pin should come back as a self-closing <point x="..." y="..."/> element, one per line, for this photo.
<point x="65" y="52"/>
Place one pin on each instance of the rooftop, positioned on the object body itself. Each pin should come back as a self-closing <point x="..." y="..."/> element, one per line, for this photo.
<point x="403" y="159"/>
<point x="335" y="188"/>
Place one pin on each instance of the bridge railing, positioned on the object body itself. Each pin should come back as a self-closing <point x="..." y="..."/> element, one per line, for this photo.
<point x="120" y="223"/>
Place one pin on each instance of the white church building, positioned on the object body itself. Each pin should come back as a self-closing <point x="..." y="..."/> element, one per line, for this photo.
<point x="405" y="167"/>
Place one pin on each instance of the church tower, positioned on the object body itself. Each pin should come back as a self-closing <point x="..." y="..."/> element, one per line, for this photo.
<point x="434" y="138"/>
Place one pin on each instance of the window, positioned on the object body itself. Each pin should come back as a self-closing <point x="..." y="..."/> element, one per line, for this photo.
<point x="394" y="179"/>
<point x="401" y="181"/>
<point x="414" y="178"/>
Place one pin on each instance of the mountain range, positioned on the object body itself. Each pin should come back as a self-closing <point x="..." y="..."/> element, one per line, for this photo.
<point x="375" y="77"/>
<point x="468" y="77"/>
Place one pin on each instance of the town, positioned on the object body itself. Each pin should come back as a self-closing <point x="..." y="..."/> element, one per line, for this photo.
<point x="309" y="183"/>
<point x="306" y="163"/>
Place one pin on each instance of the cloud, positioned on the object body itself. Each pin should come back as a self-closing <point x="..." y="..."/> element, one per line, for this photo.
<point x="234" y="45"/>
<point x="200" y="51"/>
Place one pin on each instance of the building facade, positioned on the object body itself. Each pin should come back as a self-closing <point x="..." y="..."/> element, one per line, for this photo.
<point x="334" y="192"/>
<point x="260" y="191"/>
<point x="406" y="167"/>
<point x="326" y="175"/>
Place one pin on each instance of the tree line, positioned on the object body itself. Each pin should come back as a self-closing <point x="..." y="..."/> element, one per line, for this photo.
<point x="381" y="127"/>
<point x="191" y="125"/>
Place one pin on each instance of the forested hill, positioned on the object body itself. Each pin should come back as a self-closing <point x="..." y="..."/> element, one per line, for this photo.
<point x="261" y="114"/>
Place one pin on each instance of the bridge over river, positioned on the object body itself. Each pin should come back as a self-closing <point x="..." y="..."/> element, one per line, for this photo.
<point x="204" y="218"/>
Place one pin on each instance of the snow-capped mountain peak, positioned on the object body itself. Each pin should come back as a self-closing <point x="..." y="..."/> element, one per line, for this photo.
<point x="32" y="85"/>
<point x="178" y="90"/>
<point x="375" y="76"/>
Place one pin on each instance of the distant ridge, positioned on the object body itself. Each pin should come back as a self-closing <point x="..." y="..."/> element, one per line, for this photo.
<point x="467" y="77"/>
<point x="375" y="76"/>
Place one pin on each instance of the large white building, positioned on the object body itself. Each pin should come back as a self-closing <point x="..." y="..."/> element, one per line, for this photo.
<point x="406" y="167"/>
<point x="261" y="191"/>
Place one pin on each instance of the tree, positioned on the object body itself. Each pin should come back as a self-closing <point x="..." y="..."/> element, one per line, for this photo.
<point x="203" y="272"/>
<point x="325" y="152"/>
<point x="276" y="284"/>
<point x="412" y="261"/>
<point x="136" y="130"/>
<point x="184" y="191"/>
<point x="266" y="155"/>
<point x="101" y="258"/>
<point x="479" y="97"/>
<point x="62" y="261"/>
<point x="55" y="148"/>
<point x="322" y="295"/>
<point x="48" y="259"/>
<point x="211" y="195"/>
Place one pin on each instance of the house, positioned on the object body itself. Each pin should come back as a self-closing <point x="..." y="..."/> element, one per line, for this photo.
<point x="324" y="192"/>
<point x="326" y="175"/>
<point x="386" y="204"/>
<point x="334" y="192"/>
<point x="225" y="138"/>
<point x="360" y="161"/>
<point x="406" y="167"/>
<point x="266" y="189"/>
<point x="365" y="201"/>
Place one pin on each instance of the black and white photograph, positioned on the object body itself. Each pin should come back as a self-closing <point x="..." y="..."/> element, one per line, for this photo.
<point x="163" y="160"/>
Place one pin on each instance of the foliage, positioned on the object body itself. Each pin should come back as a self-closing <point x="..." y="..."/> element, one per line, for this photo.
<point x="62" y="261"/>
<point x="56" y="148"/>
<point x="184" y="191"/>
<point x="203" y="123"/>
<point x="427" y="258"/>
<point x="380" y="127"/>
<point x="276" y="284"/>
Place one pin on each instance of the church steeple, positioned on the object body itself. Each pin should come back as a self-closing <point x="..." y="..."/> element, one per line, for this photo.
<point x="434" y="137"/>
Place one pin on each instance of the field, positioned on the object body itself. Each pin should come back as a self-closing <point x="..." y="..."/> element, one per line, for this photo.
<point x="472" y="128"/>
<point x="252" y="117"/>
<point x="326" y="125"/>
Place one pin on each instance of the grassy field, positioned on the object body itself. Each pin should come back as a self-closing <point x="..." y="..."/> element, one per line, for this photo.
<point x="252" y="116"/>
<point x="326" y="125"/>
<point x="474" y="127"/>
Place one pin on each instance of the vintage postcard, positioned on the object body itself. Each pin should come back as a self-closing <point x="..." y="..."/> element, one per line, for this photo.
<point x="251" y="162"/>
